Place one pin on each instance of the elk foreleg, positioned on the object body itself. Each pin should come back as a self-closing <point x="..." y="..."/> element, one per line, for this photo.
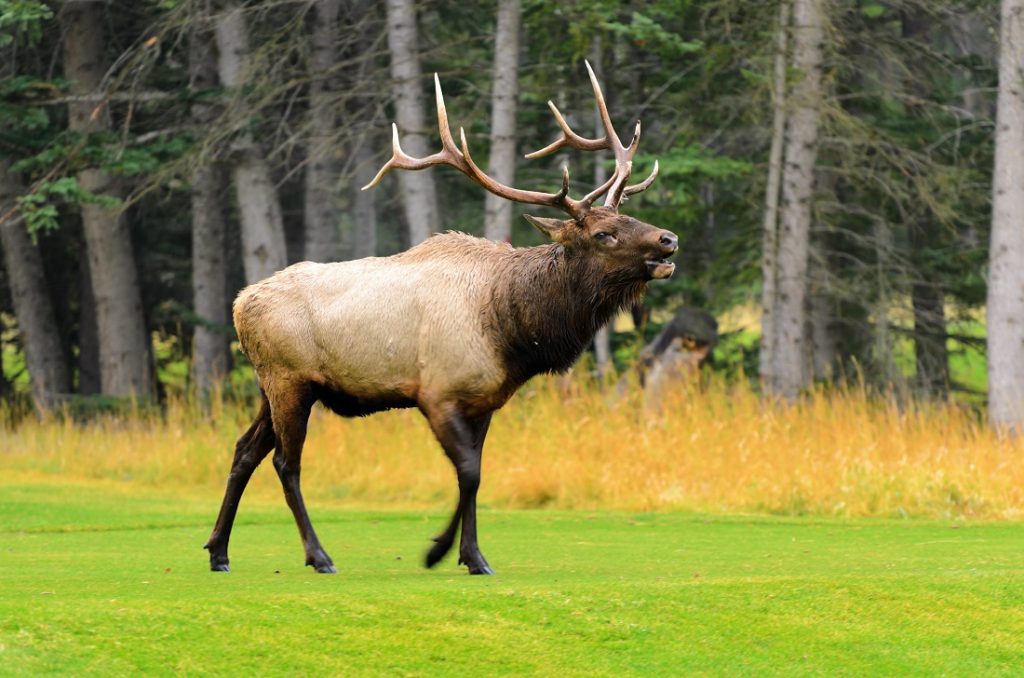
<point x="291" y="415"/>
<point x="251" y="449"/>
<point x="462" y="439"/>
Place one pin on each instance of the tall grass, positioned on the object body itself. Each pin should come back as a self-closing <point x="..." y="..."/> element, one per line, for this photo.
<point x="569" y="445"/>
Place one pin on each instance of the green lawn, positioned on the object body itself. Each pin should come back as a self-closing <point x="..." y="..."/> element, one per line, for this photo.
<point x="103" y="579"/>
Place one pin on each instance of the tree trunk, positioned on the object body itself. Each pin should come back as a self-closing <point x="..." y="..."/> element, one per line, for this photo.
<point x="1006" y="252"/>
<point x="972" y="37"/>
<point x="88" y="334"/>
<point x="419" y="197"/>
<point x="930" y="352"/>
<point x="603" y="338"/>
<point x="364" y="203"/>
<point x="37" y="324"/>
<point x="321" y="216"/>
<point x="125" y="366"/>
<point x="770" y="234"/>
<point x="364" y="161"/>
<point x="603" y="349"/>
<point x="504" y="93"/>
<point x="5" y="384"/>
<point x="801" y="145"/>
<point x="824" y="349"/>
<point x="883" y="353"/>
<point x="263" y="243"/>
<point x="209" y="282"/>
<point x="708" y="193"/>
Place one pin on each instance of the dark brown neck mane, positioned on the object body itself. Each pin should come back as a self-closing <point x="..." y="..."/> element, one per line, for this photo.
<point x="547" y="303"/>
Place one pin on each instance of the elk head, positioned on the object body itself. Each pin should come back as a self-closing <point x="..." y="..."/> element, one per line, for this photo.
<point x="624" y="245"/>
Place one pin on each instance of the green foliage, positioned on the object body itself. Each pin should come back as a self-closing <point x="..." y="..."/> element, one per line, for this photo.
<point x="148" y="158"/>
<point x="873" y="10"/>
<point x="643" y="31"/>
<point x="12" y="360"/>
<point x="737" y="353"/>
<point x="39" y="206"/>
<point x="22" y="20"/>
<point x="684" y="168"/>
<point x="17" y="96"/>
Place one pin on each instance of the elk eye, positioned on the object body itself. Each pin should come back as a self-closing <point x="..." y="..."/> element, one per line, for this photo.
<point x="603" y="237"/>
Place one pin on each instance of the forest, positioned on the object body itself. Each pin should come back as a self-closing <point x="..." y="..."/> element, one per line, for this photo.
<point x="800" y="456"/>
<point x="845" y="176"/>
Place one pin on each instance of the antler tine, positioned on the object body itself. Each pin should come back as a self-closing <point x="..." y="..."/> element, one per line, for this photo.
<point x="560" y="200"/>
<point x="569" y="138"/>
<point x="442" y="120"/>
<point x="623" y="154"/>
<point x="613" y="141"/>
<point x="619" y="178"/>
<point x="564" y="192"/>
<point x="396" y="152"/>
<point x="643" y="185"/>
<point x="634" y="143"/>
<point x="589" y="198"/>
<point x="615" y="186"/>
<point x="623" y="170"/>
<point x="448" y="155"/>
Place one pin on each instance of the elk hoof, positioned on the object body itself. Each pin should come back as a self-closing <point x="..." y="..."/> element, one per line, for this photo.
<point x="218" y="561"/>
<point x="476" y="564"/>
<point x="321" y="562"/>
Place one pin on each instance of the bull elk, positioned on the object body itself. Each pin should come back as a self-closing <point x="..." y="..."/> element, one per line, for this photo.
<point x="453" y="326"/>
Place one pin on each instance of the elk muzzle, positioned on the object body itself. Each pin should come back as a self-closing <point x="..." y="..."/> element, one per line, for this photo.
<point x="659" y="268"/>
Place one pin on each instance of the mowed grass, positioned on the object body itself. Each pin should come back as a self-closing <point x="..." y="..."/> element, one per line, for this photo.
<point x="655" y="553"/>
<point x="101" y="578"/>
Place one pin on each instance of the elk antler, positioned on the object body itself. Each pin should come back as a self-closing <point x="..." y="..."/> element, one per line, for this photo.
<point x="460" y="159"/>
<point x="623" y="154"/>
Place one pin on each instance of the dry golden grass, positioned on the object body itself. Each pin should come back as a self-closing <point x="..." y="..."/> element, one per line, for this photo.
<point x="568" y="445"/>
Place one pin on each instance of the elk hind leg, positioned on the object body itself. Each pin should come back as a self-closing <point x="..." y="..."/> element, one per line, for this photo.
<point x="443" y="542"/>
<point x="252" y="447"/>
<point x="462" y="440"/>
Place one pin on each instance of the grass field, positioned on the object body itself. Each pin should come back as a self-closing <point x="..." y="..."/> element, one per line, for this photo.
<point x="711" y="533"/>
<point x="102" y="578"/>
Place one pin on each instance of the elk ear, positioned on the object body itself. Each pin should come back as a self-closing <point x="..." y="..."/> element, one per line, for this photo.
<point x="552" y="228"/>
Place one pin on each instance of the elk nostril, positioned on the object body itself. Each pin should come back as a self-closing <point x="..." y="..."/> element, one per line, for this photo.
<point x="669" y="240"/>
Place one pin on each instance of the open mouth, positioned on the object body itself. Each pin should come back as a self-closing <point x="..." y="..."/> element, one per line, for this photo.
<point x="660" y="268"/>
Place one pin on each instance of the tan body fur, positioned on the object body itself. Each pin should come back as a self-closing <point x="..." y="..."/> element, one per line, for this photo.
<point x="393" y="329"/>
